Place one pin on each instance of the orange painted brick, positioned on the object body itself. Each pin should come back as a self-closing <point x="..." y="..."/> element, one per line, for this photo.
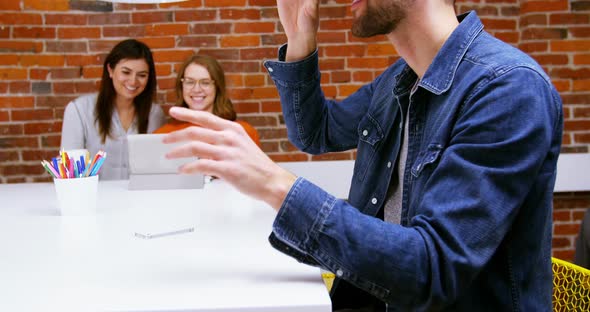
<point x="194" y="15"/>
<point x="344" y="50"/>
<point x="92" y="72"/>
<point x="171" y="55"/>
<point x="255" y="80"/>
<point x="184" y="4"/>
<point x="576" y="125"/>
<point x="11" y="129"/>
<point x="131" y="31"/>
<point x="498" y="23"/>
<point x="9" y="59"/>
<point x="543" y="6"/>
<point x="42" y="127"/>
<point x="561" y="85"/>
<point x="269" y="3"/>
<point x="582" y="59"/>
<point x="247" y="107"/>
<point x="240" y="41"/>
<point x="10" y="6"/>
<point x="166" y="83"/>
<point x="363" y="76"/>
<point x="42" y="60"/>
<point x="78" y="32"/>
<point x="234" y="80"/>
<point x="211" y="28"/>
<point x="12" y="73"/>
<point x="551" y="59"/>
<point x="84" y="59"/>
<point x="66" y="19"/>
<point x="581" y="85"/>
<point x="66" y="87"/>
<point x="238" y="14"/>
<point x="379" y="49"/>
<point x="224" y="3"/>
<point x="151" y="17"/>
<point x="32" y="114"/>
<point x="579" y="32"/>
<point x="167" y="29"/>
<point x="20" y="87"/>
<point x="335" y="24"/>
<point x="17" y="101"/>
<point x="583" y="138"/>
<point x="330" y="91"/>
<point x="159" y="42"/>
<point x="367" y="62"/>
<point x="265" y="93"/>
<point x="273" y="133"/>
<point x="254" y="27"/>
<point x="257" y="53"/>
<point x="20" y="19"/>
<point x="569" y="18"/>
<point x="531" y="47"/>
<point x="565" y="229"/>
<point x="331" y="37"/>
<point x="511" y="37"/>
<point x="33" y="32"/>
<point x="271" y="107"/>
<point x="163" y="69"/>
<point x="269" y="146"/>
<point x="44" y="5"/>
<point x="20" y="46"/>
<point x="331" y="64"/>
<point x="122" y="18"/>
<point x="198" y="41"/>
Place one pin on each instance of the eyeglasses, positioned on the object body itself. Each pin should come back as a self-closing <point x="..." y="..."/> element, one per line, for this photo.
<point x="205" y="84"/>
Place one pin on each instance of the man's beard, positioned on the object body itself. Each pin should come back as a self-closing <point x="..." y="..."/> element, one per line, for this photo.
<point x="379" y="20"/>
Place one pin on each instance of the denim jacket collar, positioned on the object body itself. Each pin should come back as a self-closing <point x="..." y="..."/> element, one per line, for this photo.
<point x="441" y="72"/>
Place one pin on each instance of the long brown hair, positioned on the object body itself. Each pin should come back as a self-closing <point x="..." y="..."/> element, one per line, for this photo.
<point x="105" y="103"/>
<point x="222" y="105"/>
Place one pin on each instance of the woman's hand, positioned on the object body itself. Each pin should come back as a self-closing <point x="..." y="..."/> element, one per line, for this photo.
<point x="226" y="151"/>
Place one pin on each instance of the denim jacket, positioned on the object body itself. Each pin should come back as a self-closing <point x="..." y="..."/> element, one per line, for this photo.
<point x="485" y="129"/>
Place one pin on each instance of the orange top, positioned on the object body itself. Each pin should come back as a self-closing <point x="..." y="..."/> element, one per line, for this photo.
<point x="176" y="125"/>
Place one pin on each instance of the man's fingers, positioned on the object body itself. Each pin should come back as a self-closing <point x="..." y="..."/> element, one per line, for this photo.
<point x="200" y="118"/>
<point x="195" y="149"/>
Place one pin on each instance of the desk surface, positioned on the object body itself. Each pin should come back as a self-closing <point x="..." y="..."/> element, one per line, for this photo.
<point x="94" y="263"/>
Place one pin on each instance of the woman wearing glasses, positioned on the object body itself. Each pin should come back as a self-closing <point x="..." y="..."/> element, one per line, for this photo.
<point x="200" y="85"/>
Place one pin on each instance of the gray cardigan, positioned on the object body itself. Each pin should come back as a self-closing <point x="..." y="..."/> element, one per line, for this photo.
<point x="79" y="131"/>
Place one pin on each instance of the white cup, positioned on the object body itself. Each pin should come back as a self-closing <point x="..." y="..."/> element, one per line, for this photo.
<point x="77" y="196"/>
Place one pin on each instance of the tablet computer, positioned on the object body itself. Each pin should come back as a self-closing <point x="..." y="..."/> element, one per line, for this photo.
<point x="149" y="169"/>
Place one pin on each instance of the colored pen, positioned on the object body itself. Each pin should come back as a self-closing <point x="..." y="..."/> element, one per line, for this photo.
<point x="97" y="166"/>
<point x="49" y="169"/>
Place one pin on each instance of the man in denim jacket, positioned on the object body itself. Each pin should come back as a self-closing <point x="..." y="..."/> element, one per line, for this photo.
<point x="457" y="144"/>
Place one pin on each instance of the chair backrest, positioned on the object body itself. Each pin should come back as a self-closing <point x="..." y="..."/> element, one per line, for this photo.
<point x="571" y="286"/>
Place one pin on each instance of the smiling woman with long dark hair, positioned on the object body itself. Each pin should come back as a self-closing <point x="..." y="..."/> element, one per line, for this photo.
<point x="123" y="105"/>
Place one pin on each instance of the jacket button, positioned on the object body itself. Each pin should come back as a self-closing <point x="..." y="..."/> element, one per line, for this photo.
<point x="374" y="200"/>
<point x="389" y="164"/>
<point x="270" y="69"/>
<point x="365" y="132"/>
<point x="339" y="272"/>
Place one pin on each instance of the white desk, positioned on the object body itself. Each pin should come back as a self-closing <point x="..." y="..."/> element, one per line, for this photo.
<point x="53" y="263"/>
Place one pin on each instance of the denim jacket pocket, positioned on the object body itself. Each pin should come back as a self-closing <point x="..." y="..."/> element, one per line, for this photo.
<point x="426" y="158"/>
<point x="370" y="135"/>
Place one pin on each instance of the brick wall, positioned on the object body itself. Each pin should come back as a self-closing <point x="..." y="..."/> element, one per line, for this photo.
<point x="52" y="51"/>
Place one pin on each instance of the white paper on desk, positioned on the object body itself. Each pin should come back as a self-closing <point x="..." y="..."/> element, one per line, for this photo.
<point x="149" y="169"/>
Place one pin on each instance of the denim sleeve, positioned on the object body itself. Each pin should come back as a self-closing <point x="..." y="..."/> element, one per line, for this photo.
<point x="315" y="124"/>
<point x="500" y="139"/>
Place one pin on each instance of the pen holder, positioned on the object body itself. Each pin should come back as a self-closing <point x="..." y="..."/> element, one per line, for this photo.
<point x="76" y="197"/>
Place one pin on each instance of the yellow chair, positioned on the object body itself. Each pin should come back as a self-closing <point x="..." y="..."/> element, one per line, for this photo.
<point x="571" y="286"/>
